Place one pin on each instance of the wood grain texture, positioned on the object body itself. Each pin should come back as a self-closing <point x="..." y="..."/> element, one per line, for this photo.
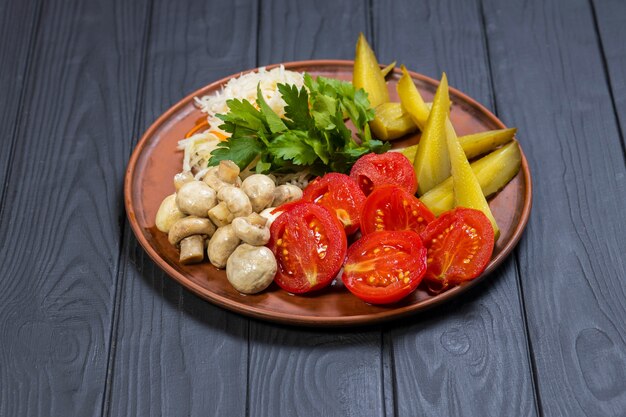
<point x="60" y="254"/>
<point x="301" y="30"/>
<point x="451" y="361"/>
<point x="177" y="355"/>
<point x="307" y="372"/>
<point x="610" y="18"/>
<point x="15" y="46"/>
<point x="549" y="79"/>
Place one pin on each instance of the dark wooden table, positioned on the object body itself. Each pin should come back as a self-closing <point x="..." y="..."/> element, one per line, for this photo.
<point x="89" y="326"/>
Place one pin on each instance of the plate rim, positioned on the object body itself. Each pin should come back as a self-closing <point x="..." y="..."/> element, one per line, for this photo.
<point x="296" y="319"/>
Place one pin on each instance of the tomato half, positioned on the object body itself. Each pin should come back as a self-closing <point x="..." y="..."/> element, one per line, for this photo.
<point x="341" y="195"/>
<point x="384" y="267"/>
<point x="391" y="208"/>
<point x="373" y="170"/>
<point x="459" y="245"/>
<point x="310" y="246"/>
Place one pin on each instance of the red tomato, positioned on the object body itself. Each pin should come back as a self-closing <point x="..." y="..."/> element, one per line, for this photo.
<point x="392" y="208"/>
<point x="384" y="267"/>
<point x="373" y="170"/>
<point x="339" y="194"/>
<point x="310" y="246"/>
<point x="459" y="244"/>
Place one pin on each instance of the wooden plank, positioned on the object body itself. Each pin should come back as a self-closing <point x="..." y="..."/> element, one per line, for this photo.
<point x="301" y="30"/>
<point x="313" y="372"/>
<point x="609" y="16"/>
<point x="468" y="357"/>
<point x="60" y="255"/>
<point x="177" y="354"/>
<point x="550" y="81"/>
<point x="17" y="26"/>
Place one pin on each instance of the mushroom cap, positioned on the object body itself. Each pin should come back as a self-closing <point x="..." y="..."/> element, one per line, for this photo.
<point x="196" y="198"/>
<point x="237" y="201"/>
<point x="182" y="178"/>
<point x="252" y="234"/>
<point x="168" y="214"/>
<point x="260" y="190"/>
<point x="286" y="193"/>
<point x="251" y="269"/>
<point x="221" y="245"/>
<point x="189" y="226"/>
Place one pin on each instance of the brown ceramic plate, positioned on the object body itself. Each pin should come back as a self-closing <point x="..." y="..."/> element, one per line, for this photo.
<point x="155" y="161"/>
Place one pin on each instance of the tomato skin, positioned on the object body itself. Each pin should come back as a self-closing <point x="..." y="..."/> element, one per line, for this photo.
<point x="392" y="208"/>
<point x="459" y="245"/>
<point x="309" y="245"/>
<point x="341" y="195"/>
<point x="373" y="170"/>
<point x="384" y="267"/>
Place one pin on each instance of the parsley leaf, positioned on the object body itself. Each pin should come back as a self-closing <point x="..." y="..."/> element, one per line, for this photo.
<point x="241" y="150"/>
<point x="274" y="122"/>
<point x="313" y="132"/>
<point x="293" y="146"/>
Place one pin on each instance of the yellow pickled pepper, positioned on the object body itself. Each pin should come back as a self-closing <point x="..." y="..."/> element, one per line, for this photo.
<point x="475" y="144"/>
<point x="479" y="143"/>
<point x="367" y="74"/>
<point x="467" y="190"/>
<point x="432" y="160"/>
<point x="412" y="100"/>
<point x="391" y="122"/>
<point x="385" y="71"/>
<point x="492" y="171"/>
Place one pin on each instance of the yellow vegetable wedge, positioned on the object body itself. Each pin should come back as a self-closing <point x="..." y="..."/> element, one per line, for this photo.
<point x="391" y="122"/>
<point x="388" y="69"/>
<point x="432" y="160"/>
<point x="467" y="191"/>
<point x="412" y="100"/>
<point x="475" y="144"/>
<point x="483" y="142"/>
<point x="493" y="171"/>
<point x="367" y="75"/>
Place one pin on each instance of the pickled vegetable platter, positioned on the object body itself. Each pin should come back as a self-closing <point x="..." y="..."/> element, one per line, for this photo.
<point x="155" y="161"/>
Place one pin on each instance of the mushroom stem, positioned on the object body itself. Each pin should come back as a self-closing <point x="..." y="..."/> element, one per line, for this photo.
<point x="192" y="250"/>
<point x="228" y="171"/>
<point x="220" y="215"/>
<point x="257" y="220"/>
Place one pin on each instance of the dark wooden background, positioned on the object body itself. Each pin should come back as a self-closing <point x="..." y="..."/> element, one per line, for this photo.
<point x="89" y="326"/>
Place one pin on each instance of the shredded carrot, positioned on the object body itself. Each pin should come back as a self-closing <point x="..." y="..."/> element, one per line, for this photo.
<point x="200" y="125"/>
<point x="219" y="135"/>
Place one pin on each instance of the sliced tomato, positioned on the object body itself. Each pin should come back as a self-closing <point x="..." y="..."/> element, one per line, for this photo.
<point x="341" y="195"/>
<point x="384" y="267"/>
<point x="373" y="170"/>
<point x="392" y="208"/>
<point x="459" y="244"/>
<point x="310" y="246"/>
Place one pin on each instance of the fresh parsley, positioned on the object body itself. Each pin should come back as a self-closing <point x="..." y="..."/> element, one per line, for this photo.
<point x="313" y="134"/>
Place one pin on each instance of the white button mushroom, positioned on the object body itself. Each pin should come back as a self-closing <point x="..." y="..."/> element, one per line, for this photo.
<point x="252" y="229"/>
<point x="222" y="176"/>
<point x="168" y="213"/>
<point x="189" y="233"/>
<point x="251" y="269"/>
<point x="220" y="215"/>
<point x="196" y="198"/>
<point x="286" y="193"/>
<point x="228" y="171"/>
<point x="260" y="189"/>
<point x="181" y="178"/>
<point x="237" y="201"/>
<point x="221" y="246"/>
